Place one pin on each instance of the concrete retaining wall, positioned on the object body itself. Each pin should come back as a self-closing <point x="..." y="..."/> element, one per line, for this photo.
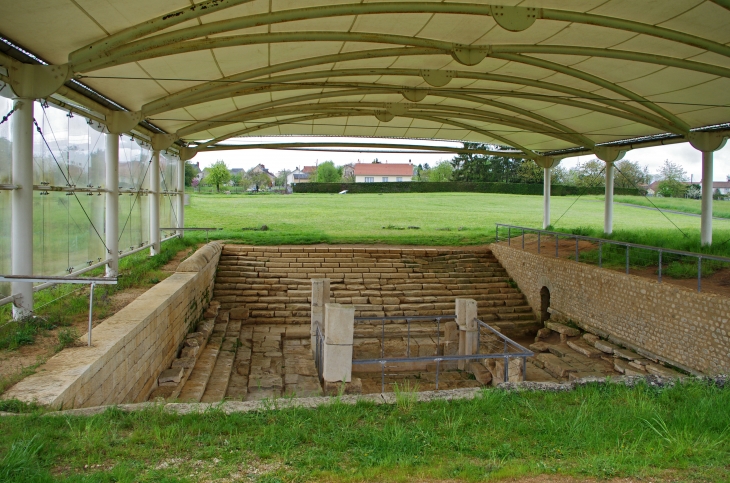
<point x="131" y="347"/>
<point x="685" y="328"/>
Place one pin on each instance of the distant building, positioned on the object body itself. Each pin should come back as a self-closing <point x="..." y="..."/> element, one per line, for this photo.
<point x="383" y="172"/>
<point x="348" y="170"/>
<point x="297" y="176"/>
<point x="722" y="186"/>
<point x="260" y="168"/>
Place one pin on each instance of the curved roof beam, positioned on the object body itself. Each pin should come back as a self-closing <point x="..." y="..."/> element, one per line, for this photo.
<point x="231" y="116"/>
<point x="291" y="15"/>
<point x="232" y="89"/>
<point x="448" y="47"/>
<point x="154" y="25"/>
<point x="451" y="111"/>
<point x="196" y="94"/>
<point x="678" y="123"/>
<point x="473" y="95"/>
<point x="723" y="3"/>
<point x="356" y="113"/>
<point x="418" y="147"/>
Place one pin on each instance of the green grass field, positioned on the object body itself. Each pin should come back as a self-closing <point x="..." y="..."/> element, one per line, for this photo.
<point x="602" y="432"/>
<point x="441" y="218"/>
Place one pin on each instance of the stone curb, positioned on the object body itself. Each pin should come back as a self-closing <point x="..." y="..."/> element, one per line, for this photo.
<point x="231" y="407"/>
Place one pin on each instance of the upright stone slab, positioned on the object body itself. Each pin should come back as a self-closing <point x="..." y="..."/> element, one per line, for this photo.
<point x="339" y="330"/>
<point x="466" y="319"/>
<point x="320" y="297"/>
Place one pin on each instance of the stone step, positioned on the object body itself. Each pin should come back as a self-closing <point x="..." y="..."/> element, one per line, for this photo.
<point x="217" y="385"/>
<point x="194" y="387"/>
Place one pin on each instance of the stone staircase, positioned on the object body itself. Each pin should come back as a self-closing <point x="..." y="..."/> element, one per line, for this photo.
<point x="274" y="283"/>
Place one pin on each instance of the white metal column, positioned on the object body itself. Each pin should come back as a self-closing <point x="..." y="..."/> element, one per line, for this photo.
<point x="608" y="207"/>
<point x="155" y="203"/>
<point x="112" y="203"/>
<point x="181" y="196"/>
<point x="21" y="228"/>
<point x="706" y="221"/>
<point x="546" y="198"/>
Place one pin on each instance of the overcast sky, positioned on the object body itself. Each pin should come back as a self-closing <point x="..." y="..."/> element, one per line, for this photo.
<point x="276" y="160"/>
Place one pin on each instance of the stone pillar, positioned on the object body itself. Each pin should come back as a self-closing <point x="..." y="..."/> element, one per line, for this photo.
<point x="320" y="297"/>
<point x="339" y="330"/>
<point x="466" y="319"/>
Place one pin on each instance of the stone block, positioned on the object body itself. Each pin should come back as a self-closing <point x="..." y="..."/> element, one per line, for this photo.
<point x="337" y="388"/>
<point x="605" y="346"/>
<point x="239" y="313"/>
<point x="661" y="371"/>
<point x="514" y="370"/>
<point x="466" y="313"/>
<point x="554" y="365"/>
<point x="544" y="333"/>
<point x="337" y="363"/>
<point x="184" y="362"/>
<point x="562" y="329"/>
<point x="626" y="354"/>
<point x="583" y="374"/>
<point x="559" y="350"/>
<point x="585" y="349"/>
<point x="170" y="377"/>
<point x="297" y="332"/>
<point x="623" y="367"/>
<point x="481" y="373"/>
<point x="540" y="347"/>
<point x="189" y="352"/>
<point x="339" y="324"/>
<point x="451" y="331"/>
<point x="591" y="338"/>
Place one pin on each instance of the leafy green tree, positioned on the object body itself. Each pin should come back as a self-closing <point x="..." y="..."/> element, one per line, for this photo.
<point x="258" y="179"/>
<point x="327" y="172"/>
<point x="439" y="173"/>
<point x="236" y="179"/>
<point x="694" y="192"/>
<point x="217" y="175"/>
<point x="671" y="188"/>
<point x="479" y="167"/>
<point x="190" y="173"/>
<point x="588" y="174"/>
<point x="672" y="171"/>
<point x="629" y="174"/>
<point x="530" y="172"/>
<point x="281" y="177"/>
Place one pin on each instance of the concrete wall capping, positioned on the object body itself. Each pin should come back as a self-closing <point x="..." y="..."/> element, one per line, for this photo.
<point x="131" y="347"/>
<point x="661" y="321"/>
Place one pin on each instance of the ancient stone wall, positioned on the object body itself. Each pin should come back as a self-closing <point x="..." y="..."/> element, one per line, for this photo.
<point x="680" y="326"/>
<point x="130" y="348"/>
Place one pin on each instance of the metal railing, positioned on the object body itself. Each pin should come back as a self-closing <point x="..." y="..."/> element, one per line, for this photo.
<point x="93" y="282"/>
<point x="663" y="255"/>
<point x="319" y="352"/>
<point x="510" y="348"/>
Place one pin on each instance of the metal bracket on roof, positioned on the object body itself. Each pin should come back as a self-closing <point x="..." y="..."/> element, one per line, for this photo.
<point x="546" y="161"/>
<point x="397" y="109"/>
<point x="187" y="154"/>
<point x="706" y="142"/>
<point x="609" y="154"/>
<point x="384" y="116"/>
<point x="160" y="142"/>
<point x="119" y="122"/>
<point x="514" y="19"/>
<point x="29" y="81"/>
<point x="467" y="55"/>
<point x="414" y="95"/>
<point x="437" y="78"/>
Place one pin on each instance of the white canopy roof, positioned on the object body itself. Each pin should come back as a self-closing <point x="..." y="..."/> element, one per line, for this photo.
<point x="535" y="75"/>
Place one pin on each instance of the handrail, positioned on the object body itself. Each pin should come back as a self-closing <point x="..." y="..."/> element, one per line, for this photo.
<point x="605" y="241"/>
<point x="615" y="242"/>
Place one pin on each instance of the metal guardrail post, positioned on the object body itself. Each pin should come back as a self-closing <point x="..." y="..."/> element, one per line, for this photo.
<point x="91" y="309"/>
<point x="557" y="239"/>
<point x="600" y="254"/>
<point x="627" y="259"/>
<point x="660" y="266"/>
<point x="699" y="274"/>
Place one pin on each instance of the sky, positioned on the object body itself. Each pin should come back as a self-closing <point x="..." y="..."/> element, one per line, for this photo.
<point x="276" y="160"/>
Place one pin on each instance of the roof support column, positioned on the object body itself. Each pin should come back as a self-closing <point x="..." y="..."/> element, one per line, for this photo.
<point x="707" y="174"/>
<point x="180" y="197"/>
<point x="112" y="203"/>
<point x="708" y="143"/>
<point x="155" y="204"/>
<point x="546" y="198"/>
<point x="608" y="207"/>
<point x="609" y="155"/>
<point x="21" y="228"/>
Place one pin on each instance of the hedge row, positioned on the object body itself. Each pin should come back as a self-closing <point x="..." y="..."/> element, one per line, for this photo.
<point x="454" y="187"/>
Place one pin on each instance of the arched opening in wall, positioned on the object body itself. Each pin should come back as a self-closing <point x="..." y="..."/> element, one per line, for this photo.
<point x="544" y="304"/>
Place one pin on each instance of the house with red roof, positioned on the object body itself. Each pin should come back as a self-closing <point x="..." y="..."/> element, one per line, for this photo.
<point x="383" y="172"/>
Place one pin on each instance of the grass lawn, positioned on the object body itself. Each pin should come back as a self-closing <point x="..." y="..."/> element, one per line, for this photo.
<point x="719" y="208"/>
<point x="325" y="218"/>
<point x="671" y="434"/>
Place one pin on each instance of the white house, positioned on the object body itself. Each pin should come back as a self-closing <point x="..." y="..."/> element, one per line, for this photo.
<point x="383" y="172"/>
